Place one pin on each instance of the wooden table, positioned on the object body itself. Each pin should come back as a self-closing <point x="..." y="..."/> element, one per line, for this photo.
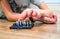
<point x="39" y="31"/>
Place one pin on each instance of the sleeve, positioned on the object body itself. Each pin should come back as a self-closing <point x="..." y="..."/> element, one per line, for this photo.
<point x="36" y="2"/>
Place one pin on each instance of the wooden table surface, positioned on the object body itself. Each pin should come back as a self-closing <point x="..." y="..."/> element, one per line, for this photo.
<point x="39" y="31"/>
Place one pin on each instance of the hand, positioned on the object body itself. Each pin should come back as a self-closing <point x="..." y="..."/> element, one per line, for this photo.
<point x="47" y="13"/>
<point x="49" y="18"/>
<point x="34" y="13"/>
<point x="25" y="14"/>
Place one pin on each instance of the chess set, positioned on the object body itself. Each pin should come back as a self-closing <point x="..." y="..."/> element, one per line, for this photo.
<point x="23" y="24"/>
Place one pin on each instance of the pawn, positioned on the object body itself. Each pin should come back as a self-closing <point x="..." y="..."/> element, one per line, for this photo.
<point x="25" y="24"/>
<point x="14" y="26"/>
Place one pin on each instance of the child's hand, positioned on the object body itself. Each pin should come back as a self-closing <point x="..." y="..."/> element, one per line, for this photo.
<point x="46" y="16"/>
<point x="34" y="13"/>
<point x="49" y="17"/>
<point x="25" y="14"/>
<point x="50" y="20"/>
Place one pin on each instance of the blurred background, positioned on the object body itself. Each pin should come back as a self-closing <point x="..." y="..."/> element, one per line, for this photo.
<point x="52" y="1"/>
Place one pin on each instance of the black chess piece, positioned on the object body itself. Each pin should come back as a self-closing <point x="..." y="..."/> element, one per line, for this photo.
<point x="22" y="25"/>
<point x="31" y="19"/>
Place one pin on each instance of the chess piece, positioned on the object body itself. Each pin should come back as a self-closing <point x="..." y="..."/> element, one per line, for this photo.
<point x="22" y="25"/>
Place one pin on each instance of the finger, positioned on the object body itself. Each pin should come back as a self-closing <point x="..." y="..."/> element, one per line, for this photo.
<point x="54" y="19"/>
<point x="29" y="13"/>
<point x="35" y="18"/>
<point x="22" y="16"/>
<point x="34" y="14"/>
<point x="27" y="19"/>
<point x="50" y="20"/>
<point x="54" y="16"/>
<point x="47" y="20"/>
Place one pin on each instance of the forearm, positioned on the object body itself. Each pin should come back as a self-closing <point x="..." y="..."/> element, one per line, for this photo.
<point x="13" y="17"/>
<point x="5" y="6"/>
<point x="8" y="12"/>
